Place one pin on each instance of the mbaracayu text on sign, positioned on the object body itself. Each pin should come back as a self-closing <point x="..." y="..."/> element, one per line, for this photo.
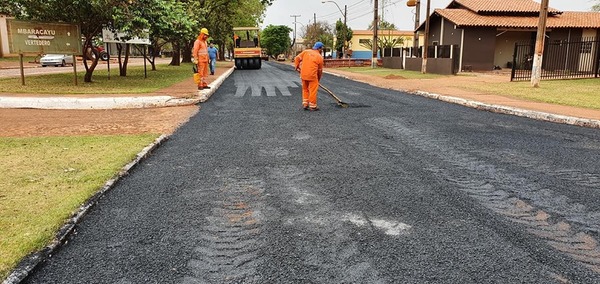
<point x="42" y="38"/>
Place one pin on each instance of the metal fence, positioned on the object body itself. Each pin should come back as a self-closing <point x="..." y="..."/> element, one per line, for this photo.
<point x="561" y="59"/>
<point x="451" y="52"/>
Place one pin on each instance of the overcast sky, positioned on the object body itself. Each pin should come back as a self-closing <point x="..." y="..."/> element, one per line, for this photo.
<point x="360" y="12"/>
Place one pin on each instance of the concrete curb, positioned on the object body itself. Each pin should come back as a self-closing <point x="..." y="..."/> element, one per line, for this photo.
<point x="93" y="103"/>
<point x="538" y="115"/>
<point x="206" y="94"/>
<point x="112" y="102"/>
<point x="30" y="262"/>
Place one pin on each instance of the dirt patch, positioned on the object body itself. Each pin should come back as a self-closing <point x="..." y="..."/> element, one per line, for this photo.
<point x="35" y="122"/>
<point x="39" y="122"/>
<point x="392" y="76"/>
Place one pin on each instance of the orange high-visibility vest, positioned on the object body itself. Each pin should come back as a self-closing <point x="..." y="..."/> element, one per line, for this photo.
<point x="200" y="51"/>
<point x="312" y="64"/>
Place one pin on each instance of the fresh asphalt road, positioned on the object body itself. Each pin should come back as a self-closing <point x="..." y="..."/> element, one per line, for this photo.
<point x="395" y="189"/>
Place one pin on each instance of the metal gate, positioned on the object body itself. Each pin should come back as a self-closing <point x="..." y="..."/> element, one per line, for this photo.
<point x="561" y="59"/>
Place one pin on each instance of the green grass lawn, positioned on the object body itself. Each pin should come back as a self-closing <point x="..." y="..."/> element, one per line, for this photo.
<point x="584" y="93"/>
<point x="44" y="180"/>
<point x="383" y="72"/>
<point x="134" y="82"/>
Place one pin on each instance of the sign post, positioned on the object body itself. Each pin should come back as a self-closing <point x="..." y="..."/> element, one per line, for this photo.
<point x="109" y="36"/>
<point x="40" y="38"/>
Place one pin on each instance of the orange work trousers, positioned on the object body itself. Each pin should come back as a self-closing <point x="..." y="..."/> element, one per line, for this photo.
<point x="203" y="72"/>
<point x="309" y="93"/>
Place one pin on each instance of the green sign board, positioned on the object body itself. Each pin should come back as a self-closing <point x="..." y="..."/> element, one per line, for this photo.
<point x="41" y="38"/>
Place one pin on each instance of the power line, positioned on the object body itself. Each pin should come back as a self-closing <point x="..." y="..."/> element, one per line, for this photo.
<point x="349" y="7"/>
<point x="334" y="15"/>
<point x="371" y="12"/>
<point x="357" y="11"/>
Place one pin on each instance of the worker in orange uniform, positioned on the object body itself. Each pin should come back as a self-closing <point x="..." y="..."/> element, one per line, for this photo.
<point x="200" y="53"/>
<point x="310" y="65"/>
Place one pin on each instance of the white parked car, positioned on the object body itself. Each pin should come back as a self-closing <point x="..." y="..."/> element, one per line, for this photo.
<point x="56" y="60"/>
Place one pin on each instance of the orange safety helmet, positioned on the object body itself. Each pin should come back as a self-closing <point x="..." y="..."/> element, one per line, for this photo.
<point x="204" y="31"/>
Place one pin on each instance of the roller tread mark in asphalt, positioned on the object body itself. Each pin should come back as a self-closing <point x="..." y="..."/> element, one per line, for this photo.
<point x="232" y="238"/>
<point x="497" y="190"/>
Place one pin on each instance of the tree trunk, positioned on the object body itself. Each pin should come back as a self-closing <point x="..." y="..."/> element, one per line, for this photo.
<point x="87" y="78"/>
<point x="221" y="52"/>
<point x="175" y="60"/>
<point x="187" y="53"/>
<point x="152" y="54"/>
<point x="123" y="64"/>
<point x="89" y="70"/>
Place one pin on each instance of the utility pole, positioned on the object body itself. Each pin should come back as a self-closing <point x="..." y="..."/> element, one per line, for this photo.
<point x="294" y="41"/>
<point x="345" y="32"/>
<point x="375" y="24"/>
<point x="536" y="70"/>
<point x="417" y="22"/>
<point x="426" y="40"/>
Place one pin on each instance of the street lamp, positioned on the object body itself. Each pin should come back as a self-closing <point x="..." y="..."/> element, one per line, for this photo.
<point x="345" y="29"/>
<point x="417" y="5"/>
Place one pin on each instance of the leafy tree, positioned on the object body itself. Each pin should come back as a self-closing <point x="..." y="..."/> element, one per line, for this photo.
<point x="169" y="23"/>
<point x="384" y="41"/>
<point x="340" y="39"/>
<point x="220" y="16"/>
<point x="316" y="32"/>
<point x="242" y="14"/>
<point x="276" y="39"/>
<point x="130" y="18"/>
<point x="383" y="25"/>
<point x="90" y="15"/>
<point x="9" y="8"/>
<point x="327" y="40"/>
<point x="174" y="22"/>
<point x="596" y="6"/>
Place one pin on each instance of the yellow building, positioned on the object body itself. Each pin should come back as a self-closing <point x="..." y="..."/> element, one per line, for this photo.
<point x="360" y="36"/>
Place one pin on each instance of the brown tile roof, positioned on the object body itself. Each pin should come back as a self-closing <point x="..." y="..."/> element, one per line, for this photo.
<point x="497" y="6"/>
<point x="462" y="17"/>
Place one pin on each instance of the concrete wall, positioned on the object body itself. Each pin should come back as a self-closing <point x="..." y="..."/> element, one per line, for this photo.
<point x="434" y="65"/>
<point x="413" y="64"/>
<point x="392" y="62"/>
<point x="440" y="66"/>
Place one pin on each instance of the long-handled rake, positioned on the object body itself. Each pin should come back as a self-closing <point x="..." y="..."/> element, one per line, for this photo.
<point x="338" y="101"/>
